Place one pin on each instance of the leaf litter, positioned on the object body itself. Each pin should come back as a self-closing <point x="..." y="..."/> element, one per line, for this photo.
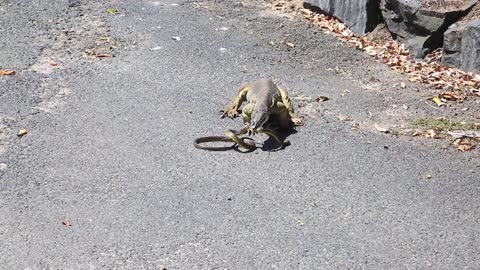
<point x="456" y="82"/>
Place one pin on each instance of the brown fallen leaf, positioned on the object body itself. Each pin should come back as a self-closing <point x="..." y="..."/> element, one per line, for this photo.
<point x="53" y="63"/>
<point x="7" y="72"/>
<point x="22" y="132"/>
<point x="344" y="118"/>
<point x="67" y="223"/>
<point x="463" y="144"/>
<point x="449" y="96"/>
<point x="291" y="45"/>
<point x="381" y="129"/>
<point x="321" y="98"/>
<point x="470" y="83"/>
<point x="417" y="133"/>
<point x="103" y="55"/>
<point x="415" y="78"/>
<point x="90" y="53"/>
<point x="371" y="50"/>
<point x="432" y="134"/>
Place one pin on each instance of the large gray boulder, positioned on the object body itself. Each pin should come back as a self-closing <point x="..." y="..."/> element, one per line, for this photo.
<point x="420" y="26"/>
<point x="361" y="16"/>
<point x="471" y="47"/>
<point x="452" y="46"/>
<point x="461" y="47"/>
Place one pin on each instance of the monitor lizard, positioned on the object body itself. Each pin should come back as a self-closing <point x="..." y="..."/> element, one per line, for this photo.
<point x="264" y="101"/>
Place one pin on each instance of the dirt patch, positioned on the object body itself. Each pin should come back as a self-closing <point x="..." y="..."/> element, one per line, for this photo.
<point x="443" y="4"/>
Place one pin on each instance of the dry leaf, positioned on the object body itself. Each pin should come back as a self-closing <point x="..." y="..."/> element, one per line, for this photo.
<point x="103" y="55"/>
<point x="470" y="83"/>
<point x="291" y="45"/>
<point x="432" y="134"/>
<point x="371" y="50"/>
<point x="417" y="133"/>
<point x="381" y="129"/>
<point x="415" y="79"/>
<point x="449" y="96"/>
<point x="53" y="63"/>
<point x="112" y="11"/>
<point x="90" y="52"/>
<point x="67" y="223"/>
<point x="403" y="85"/>
<point x="465" y="146"/>
<point x="22" y="132"/>
<point x="344" y="118"/>
<point x="439" y="102"/>
<point x="321" y="98"/>
<point x="7" y="72"/>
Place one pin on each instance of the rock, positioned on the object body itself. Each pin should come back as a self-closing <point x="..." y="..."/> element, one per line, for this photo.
<point x="419" y="26"/>
<point x="470" y="54"/>
<point x="461" y="47"/>
<point x="74" y="3"/>
<point x="459" y="134"/>
<point x="361" y="16"/>
<point x="452" y="46"/>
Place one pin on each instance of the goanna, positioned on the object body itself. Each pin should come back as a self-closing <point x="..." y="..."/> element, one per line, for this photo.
<point x="264" y="101"/>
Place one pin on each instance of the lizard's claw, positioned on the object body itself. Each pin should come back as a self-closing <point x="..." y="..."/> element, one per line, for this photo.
<point x="251" y="131"/>
<point x="297" y="121"/>
<point x="230" y="113"/>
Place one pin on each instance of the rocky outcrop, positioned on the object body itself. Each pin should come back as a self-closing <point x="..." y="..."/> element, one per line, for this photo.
<point x="419" y="26"/>
<point x="361" y="16"/>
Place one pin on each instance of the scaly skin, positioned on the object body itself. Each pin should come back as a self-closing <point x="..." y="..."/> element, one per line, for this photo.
<point x="263" y="100"/>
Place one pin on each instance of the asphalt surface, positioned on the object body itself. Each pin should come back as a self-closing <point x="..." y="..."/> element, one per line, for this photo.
<point x="108" y="178"/>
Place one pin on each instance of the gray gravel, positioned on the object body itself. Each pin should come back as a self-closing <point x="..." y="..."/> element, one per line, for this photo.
<point x="110" y="152"/>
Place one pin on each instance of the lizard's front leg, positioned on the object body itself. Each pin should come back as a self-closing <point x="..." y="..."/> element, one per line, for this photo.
<point x="232" y="107"/>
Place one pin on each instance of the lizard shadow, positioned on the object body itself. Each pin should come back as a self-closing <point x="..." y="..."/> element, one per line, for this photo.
<point x="271" y="145"/>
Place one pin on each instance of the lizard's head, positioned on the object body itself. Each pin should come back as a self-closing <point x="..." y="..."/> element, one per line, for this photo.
<point x="259" y="118"/>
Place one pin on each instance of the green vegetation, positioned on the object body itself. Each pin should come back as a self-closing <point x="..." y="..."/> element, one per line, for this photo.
<point x="442" y="124"/>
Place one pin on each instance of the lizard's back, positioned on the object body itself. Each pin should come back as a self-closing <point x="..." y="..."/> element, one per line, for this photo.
<point x="263" y="92"/>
